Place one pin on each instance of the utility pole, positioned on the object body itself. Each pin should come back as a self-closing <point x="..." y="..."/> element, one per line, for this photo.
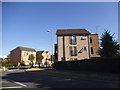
<point x="51" y="45"/>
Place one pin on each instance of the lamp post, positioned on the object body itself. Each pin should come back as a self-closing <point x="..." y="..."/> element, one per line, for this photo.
<point x="51" y="45"/>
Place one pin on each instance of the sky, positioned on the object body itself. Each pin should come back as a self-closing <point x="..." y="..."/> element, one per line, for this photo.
<point x="26" y="23"/>
<point x="119" y="21"/>
<point x="0" y="30"/>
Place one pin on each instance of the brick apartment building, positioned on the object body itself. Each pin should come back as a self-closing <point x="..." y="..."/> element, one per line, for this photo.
<point x="76" y="44"/>
<point x="21" y="55"/>
<point x="46" y="58"/>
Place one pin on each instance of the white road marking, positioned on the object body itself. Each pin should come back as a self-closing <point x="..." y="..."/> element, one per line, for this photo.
<point x="12" y="87"/>
<point x="20" y="84"/>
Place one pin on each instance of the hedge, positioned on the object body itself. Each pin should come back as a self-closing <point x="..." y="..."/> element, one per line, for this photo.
<point x="110" y="65"/>
<point x="8" y="64"/>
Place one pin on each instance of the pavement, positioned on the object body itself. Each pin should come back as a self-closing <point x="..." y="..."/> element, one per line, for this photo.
<point x="51" y="78"/>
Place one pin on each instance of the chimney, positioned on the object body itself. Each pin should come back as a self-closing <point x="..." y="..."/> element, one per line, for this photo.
<point x="96" y="33"/>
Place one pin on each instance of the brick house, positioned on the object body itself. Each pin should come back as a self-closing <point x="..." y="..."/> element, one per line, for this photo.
<point x="76" y="44"/>
<point x="21" y="55"/>
<point x="46" y="58"/>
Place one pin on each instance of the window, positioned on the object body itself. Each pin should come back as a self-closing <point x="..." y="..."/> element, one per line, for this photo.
<point x="63" y="59"/>
<point x="73" y="39"/>
<point x="85" y="49"/>
<point x="56" y="51"/>
<point x="24" y="53"/>
<point x="92" y="50"/>
<point x="73" y="51"/>
<point x="83" y="38"/>
<point x="75" y="59"/>
<point x="90" y="39"/>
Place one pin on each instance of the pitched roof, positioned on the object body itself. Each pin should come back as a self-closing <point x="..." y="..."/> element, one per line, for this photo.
<point x="72" y="32"/>
<point x="40" y="51"/>
<point x="26" y="49"/>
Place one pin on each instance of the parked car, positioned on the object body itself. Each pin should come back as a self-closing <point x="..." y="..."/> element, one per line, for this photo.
<point x="35" y="65"/>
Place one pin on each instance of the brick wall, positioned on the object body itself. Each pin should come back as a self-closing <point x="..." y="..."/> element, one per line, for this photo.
<point x="16" y="56"/>
<point x="95" y="45"/>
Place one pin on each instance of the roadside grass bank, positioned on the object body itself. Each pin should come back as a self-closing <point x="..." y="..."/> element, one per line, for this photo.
<point x="34" y="69"/>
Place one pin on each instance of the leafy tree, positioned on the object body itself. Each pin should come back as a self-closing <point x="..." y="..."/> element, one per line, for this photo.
<point x="39" y="57"/>
<point x="8" y="58"/>
<point x="31" y="57"/>
<point x="117" y="54"/>
<point x="109" y="46"/>
<point x="53" y="58"/>
<point x="7" y="62"/>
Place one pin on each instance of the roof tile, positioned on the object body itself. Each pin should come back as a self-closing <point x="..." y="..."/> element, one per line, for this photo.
<point x="26" y="49"/>
<point x="72" y="31"/>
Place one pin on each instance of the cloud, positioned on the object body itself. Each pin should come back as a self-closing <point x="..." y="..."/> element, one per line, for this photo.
<point x="1" y="56"/>
<point x="4" y="56"/>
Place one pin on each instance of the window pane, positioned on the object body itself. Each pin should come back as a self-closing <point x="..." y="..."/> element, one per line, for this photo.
<point x="90" y="39"/>
<point x="73" y="39"/>
<point x="85" y="49"/>
<point x="92" y="50"/>
<point x="73" y="51"/>
<point x="83" y="38"/>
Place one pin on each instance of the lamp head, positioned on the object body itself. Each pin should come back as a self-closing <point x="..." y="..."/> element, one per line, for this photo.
<point x="48" y="30"/>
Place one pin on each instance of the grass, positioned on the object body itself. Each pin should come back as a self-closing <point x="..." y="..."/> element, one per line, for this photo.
<point x="34" y="69"/>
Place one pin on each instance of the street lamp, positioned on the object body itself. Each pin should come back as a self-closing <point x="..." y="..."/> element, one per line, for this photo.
<point x="51" y="45"/>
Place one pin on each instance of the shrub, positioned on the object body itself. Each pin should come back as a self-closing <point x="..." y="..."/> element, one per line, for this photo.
<point x="118" y="54"/>
<point x="103" y="64"/>
<point x="8" y="65"/>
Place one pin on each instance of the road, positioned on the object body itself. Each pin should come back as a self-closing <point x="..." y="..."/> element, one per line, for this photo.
<point x="41" y="79"/>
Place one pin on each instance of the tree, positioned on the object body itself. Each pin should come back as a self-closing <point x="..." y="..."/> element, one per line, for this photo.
<point x="109" y="46"/>
<point x="7" y="62"/>
<point x="39" y="57"/>
<point x="53" y="58"/>
<point x="8" y="59"/>
<point x="31" y="57"/>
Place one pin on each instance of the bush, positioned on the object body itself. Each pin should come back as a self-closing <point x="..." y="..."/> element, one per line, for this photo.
<point x="118" y="55"/>
<point x="103" y="64"/>
<point x="8" y="65"/>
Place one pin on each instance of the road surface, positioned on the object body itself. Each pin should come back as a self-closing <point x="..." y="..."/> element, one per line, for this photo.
<point x="41" y="79"/>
